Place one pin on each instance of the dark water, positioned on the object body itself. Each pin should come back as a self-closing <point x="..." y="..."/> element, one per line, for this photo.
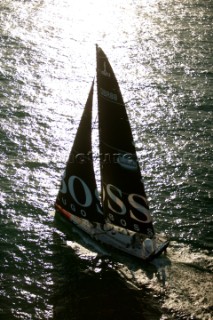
<point x="162" y="54"/>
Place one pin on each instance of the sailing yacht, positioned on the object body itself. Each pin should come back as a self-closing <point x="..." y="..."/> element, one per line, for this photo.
<point x="120" y="217"/>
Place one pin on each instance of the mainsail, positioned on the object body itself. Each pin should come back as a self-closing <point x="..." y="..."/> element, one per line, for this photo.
<point x="123" y="196"/>
<point x="78" y="193"/>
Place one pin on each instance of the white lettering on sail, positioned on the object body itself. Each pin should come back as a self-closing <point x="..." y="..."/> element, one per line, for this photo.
<point x="111" y="217"/>
<point x="127" y="161"/>
<point x="138" y="212"/>
<point x="73" y="208"/>
<point x="64" y="201"/>
<point x="88" y="195"/>
<point x="139" y="207"/>
<point x="136" y="227"/>
<point x="105" y="72"/>
<point x="123" y="222"/>
<point x="107" y="94"/>
<point x="110" y="188"/>
<point x="83" y="213"/>
<point x="63" y="188"/>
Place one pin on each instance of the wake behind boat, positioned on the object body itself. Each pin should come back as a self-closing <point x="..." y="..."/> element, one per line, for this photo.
<point x="121" y="216"/>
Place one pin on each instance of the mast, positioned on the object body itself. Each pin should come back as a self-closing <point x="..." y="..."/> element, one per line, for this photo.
<point x="123" y="195"/>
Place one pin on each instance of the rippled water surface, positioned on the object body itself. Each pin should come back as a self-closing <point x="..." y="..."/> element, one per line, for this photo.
<point x="161" y="52"/>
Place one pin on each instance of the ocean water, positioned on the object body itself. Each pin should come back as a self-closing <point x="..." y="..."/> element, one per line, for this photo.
<point x="162" y="54"/>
